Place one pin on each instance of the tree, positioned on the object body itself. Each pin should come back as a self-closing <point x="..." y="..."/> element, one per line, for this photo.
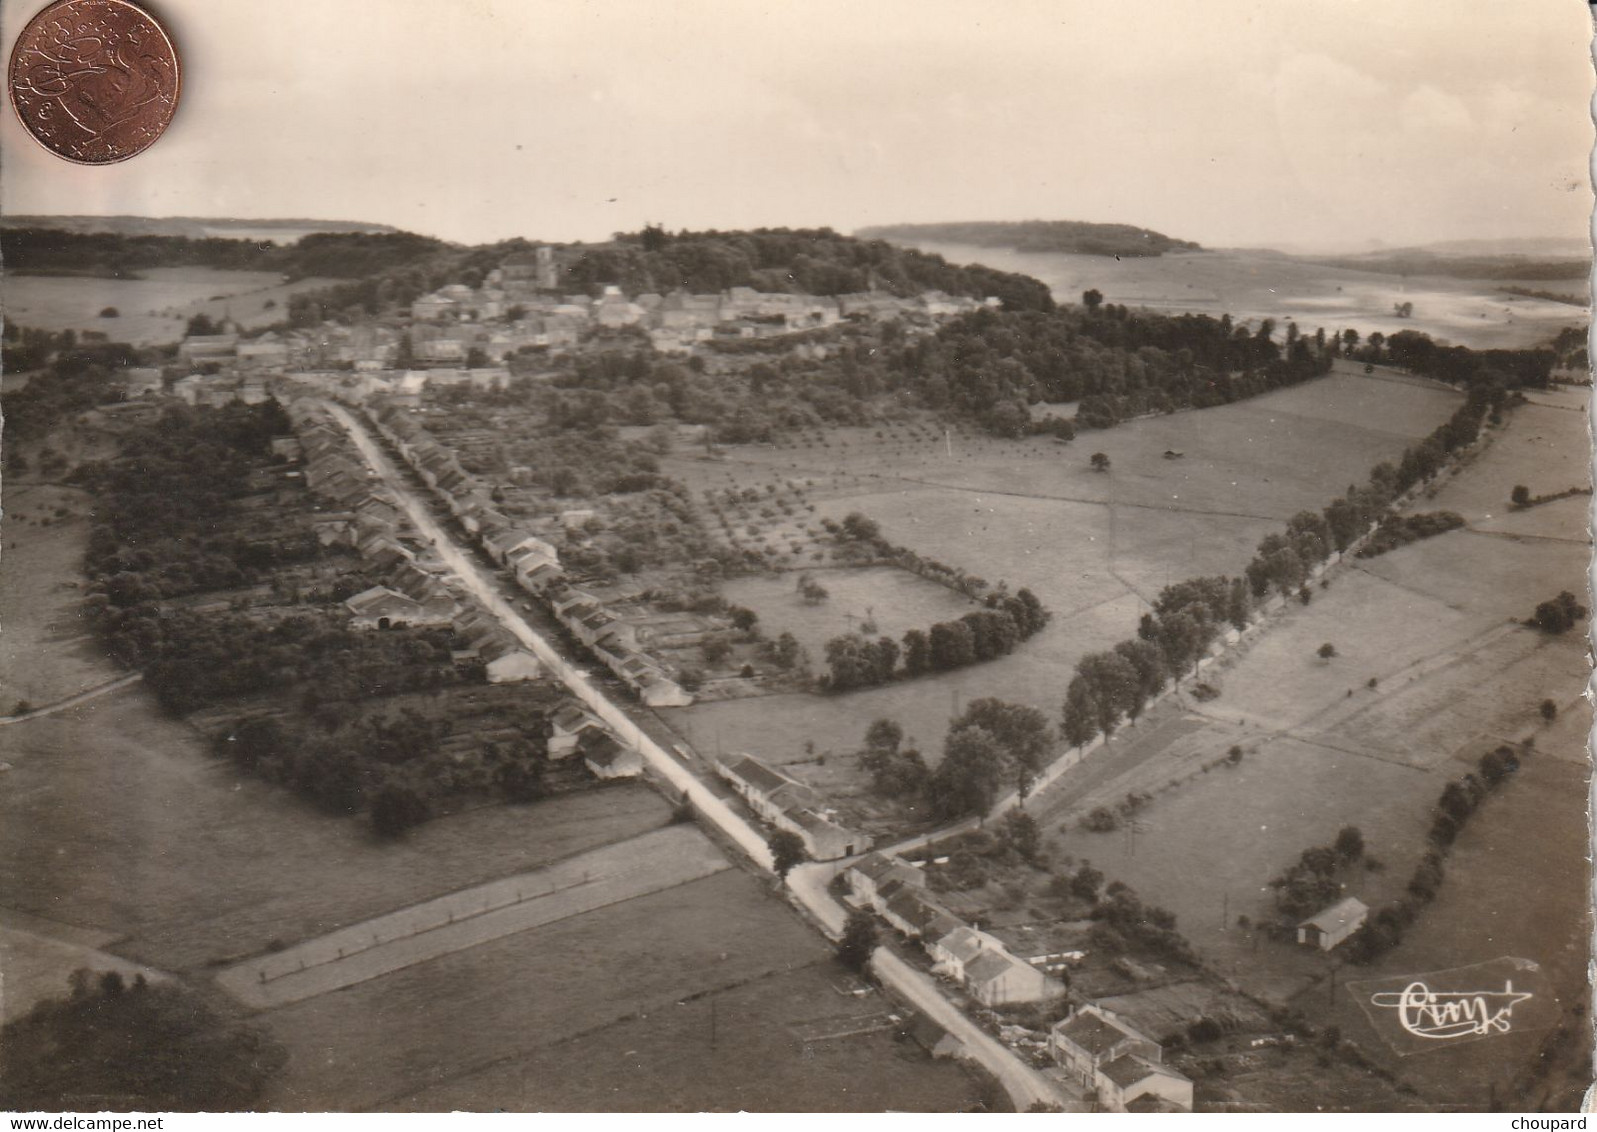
<point x="1558" y="615"/>
<point x="110" y="312"/>
<point x="1349" y="843"/>
<point x="811" y="591"/>
<point x="1021" y="731"/>
<point x="917" y="653"/>
<point x="884" y="735"/>
<point x="477" y="358"/>
<point x="857" y="526"/>
<point x="858" y="941"/>
<point x="1019" y="831"/>
<point x="950" y="645"/>
<point x="1092" y="299"/>
<point x="1079" y="722"/>
<point x="1549" y="710"/>
<point x="968" y="778"/>
<point x="1100" y="462"/>
<point x="743" y="619"/>
<point x="1326" y="651"/>
<point x="787" y="850"/>
<point x="1520" y="496"/>
<point x="1086" y="882"/>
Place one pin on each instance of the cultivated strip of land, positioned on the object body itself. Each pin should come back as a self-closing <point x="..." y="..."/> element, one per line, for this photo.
<point x="659" y="860"/>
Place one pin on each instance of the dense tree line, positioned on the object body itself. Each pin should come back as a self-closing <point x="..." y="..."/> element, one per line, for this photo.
<point x="132" y="1044"/>
<point x="397" y="768"/>
<point x="814" y="261"/>
<point x="77" y="378"/>
<point x="168" y="506"/>
<point x="1118" y="363"/>
<point x="1400" y="530"/>
<point x="1458" y="801"/>
<point x="1115" y="685"/>
<point x="855" y="661"/>
<point x="337" y="255"/>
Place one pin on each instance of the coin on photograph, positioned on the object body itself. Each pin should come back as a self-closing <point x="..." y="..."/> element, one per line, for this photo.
<point x="94" y="81"/>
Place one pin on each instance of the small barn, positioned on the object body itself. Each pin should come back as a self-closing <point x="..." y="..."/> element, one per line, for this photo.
<point x="1330" y="926"/>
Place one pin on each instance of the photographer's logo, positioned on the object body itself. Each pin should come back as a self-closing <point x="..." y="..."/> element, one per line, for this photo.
<point x="1440" y="1009"/>
<point x="1445" y="1015"/>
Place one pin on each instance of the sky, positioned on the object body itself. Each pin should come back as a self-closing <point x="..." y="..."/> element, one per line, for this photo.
<point x="1231" y="122"/>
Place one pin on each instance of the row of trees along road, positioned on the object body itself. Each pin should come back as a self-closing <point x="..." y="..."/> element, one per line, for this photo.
<point x="1111" y="686"/>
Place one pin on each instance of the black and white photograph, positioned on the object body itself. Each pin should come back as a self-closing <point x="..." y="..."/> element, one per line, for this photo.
<point x="692" y="556"/>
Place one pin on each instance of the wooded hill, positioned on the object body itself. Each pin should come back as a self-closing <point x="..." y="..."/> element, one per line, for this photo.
<point x="1076" y="237"/>
<point x="337" y="255"/>
<point x="812" y="261"/>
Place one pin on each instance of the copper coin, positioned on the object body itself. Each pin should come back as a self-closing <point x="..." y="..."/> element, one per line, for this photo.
<point x="94" y="81"/>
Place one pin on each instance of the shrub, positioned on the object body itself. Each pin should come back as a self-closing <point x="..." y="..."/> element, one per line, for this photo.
<point x="1101" y="820"/>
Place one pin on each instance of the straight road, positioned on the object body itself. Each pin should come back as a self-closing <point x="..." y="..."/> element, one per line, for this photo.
<point x="474" y="579"/>
<point x="651" y="863"/>
<point x="73" y="701"/>
<point x="1024" y="1084"/>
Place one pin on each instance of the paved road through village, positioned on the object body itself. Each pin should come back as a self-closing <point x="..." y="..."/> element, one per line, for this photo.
<point x="1024" y="1084"/>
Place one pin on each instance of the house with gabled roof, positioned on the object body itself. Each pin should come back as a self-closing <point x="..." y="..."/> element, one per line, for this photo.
<point x="1330" y="926"/>
<point x="607" y="757"/>
<point x="382" y="608"/>
<point x="567" y="727"/>
<point x="911" y="912"/>
<point x="505" y="660"/>
<point x="996" y="977"/>
<point x="869" y="874"/>
<point x="1091" y="1037"/>
<point x="1136" y="1084"/>
<point x="790" y="805"/>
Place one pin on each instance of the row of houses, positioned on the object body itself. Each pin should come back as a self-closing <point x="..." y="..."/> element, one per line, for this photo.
<point x="673" y="321"/>
<point x="409" y="594"/>
<point x="790" y="805"/>
<point x="533" y="561"/>
<point x="980" y="962"/>
<point x="1098" y="1050"/>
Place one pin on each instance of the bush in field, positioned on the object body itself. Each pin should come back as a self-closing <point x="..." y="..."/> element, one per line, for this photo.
<point x="1558" y="615"/>
<point x="1101" y="820"/>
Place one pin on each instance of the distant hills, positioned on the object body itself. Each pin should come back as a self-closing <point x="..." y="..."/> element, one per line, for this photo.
<point x="1539" y="259"/>
<point x="1076" y="237"/>
<point x="194" y="227"/>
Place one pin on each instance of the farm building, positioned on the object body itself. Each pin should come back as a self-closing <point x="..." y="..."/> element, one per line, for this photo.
<point x="792" y="806"/>
<point x="567" y="727"/>
<point x="1330" y="926"/>
<point x="932" y="1038"/>
<point x="1124" y="1066"/>
<point x="1091" y="1037"/>
<point x="607" y="757"/>
<point x="996" y="977"/>
<point x="867" y="876"/>
<point x="382" y="608"/>
<point x="506" y="661"/>
<point x="1132" y="1084"/>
